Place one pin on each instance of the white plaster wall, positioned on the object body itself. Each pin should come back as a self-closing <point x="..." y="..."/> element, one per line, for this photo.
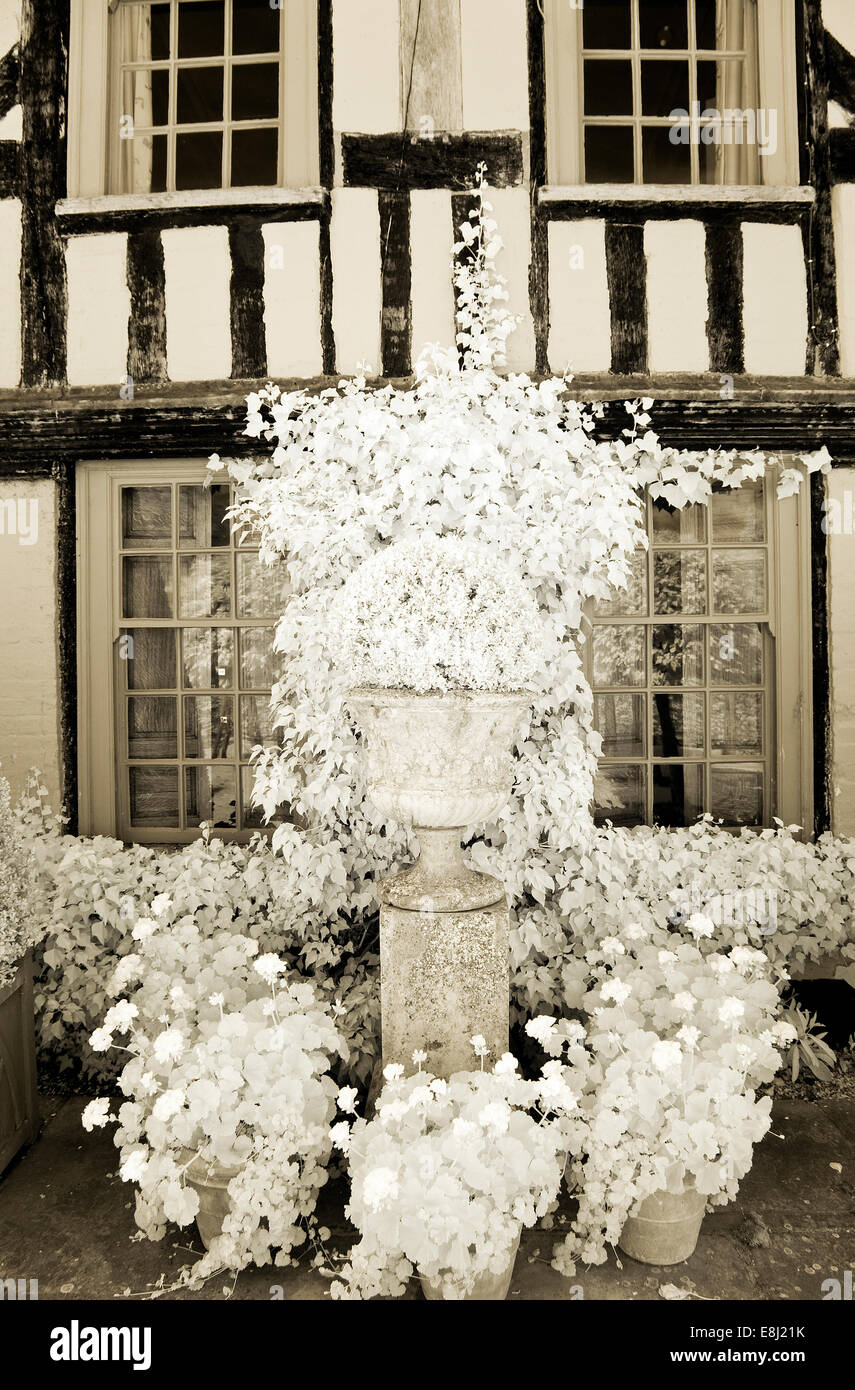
<point x="10" y="25"/>
<point x="839" y="17"/>
<point x="99" y="305"/>
<point x="357" y="294"/>
<point x="292" y="299"/>
<point x="843" y="213"/>
<point x="512" y="210"/>
<point x="29" y="683"/>
<point x="775" y="300"/>
<point x="197" y="269"/>
<point x="840" y="486"/>
<point x="676" y="296"/>
<point x="494" y="61"/>
<point x="432" y="292"/>
<point x="10" y="292"/>
<point x="367" y="66"/>
<point x="579" y="314"/>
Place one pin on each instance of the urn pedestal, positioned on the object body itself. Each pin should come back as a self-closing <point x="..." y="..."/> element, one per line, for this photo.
<point x="441" y="763"/>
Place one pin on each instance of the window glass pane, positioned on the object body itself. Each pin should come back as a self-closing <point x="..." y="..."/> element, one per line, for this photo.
<point x="672" y="527"/>
<point x="154" y="796"/>
<point x="705" y="17"/>
<point x="255" y="26"/>
<point x="199" y="160"/>
<point x="258" y="660"/>
<point x="255" y="91"/>
<point x="631" y="600"/>
<point x="146" y="587"/>
<point x="150" y="663"/>
<point x="662" y="160"/>
<point x="209" y="726"/>
<point x="208" y="657"/>
<point x="200" y="95"/>
<point x="739" y="581"/>
<point x="736" y="724"/>
<point x="608" y="87"/>
<point x="680" y="581"/>
<point x="152" y="726"/>
<point x="142" y="164"/>
<point x="607" y="24"/>
<point x="678" y="726"/>
<point x="609" y="154"/>
<point x="663" y="23"/>
<point x="201" y="28"/>
<point x="202" y="517"/>
<point x="739" y="514"/>
<point x="204" y="585"/>
<point x="211" y="796"/>
<point x="618" y="655"/>
<point x="620" y="721"/>
<point x="147" y="518"/>
<point x="145" y="99"/>
<point x="736" y="793"/>
<point x="256" y="723"/>
<point x="620" y="794"/>
<point x="664" y="87"/>
<point x="678" y="654"/>
<point x="678" y="793"/>
<point x="736" y="654"/>
<point x="255" y="158"/>
<point x="262" y="589"/>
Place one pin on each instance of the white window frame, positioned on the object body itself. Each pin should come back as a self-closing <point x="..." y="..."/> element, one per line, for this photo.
<point x="89" y="108"/>
<point x="776" y="22"/>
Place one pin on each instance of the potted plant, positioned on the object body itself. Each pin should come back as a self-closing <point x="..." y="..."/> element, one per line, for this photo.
<point x="22" y="925"/>
<point x="439" y="639"/>
<point x="678" y="1042"/>
<point x="229" y="1094"/>
<point x="448" y="1172"/>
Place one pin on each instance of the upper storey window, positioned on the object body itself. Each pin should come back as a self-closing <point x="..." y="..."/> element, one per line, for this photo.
<point x="197" y="94"/>
<point x="672" y="92"/>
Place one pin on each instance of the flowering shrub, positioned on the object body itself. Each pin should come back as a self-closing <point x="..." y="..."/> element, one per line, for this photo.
<point x="437" y="614"/>
<point x="22" y="909"/>
<point x="447" y="1172"/>
<point x="229" y="1069"/>
<point x="678" y="1040"/>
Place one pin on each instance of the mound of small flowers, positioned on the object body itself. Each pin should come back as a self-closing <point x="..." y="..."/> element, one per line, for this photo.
<point x="437" y="613"/>
<point x="679" y="1040"/>
<point x="229" y="1070"/>
<point x="447" y="1172"/>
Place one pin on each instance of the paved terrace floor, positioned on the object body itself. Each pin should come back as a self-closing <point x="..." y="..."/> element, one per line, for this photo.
<point x="67" y="1219"/>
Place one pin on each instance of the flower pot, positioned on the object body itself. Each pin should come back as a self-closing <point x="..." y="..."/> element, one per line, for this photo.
<point x="487" y="1287"/>
<point x="666" y="1229"/>
<point x="211" y="1182"/>
<point x="19" y="1113"/>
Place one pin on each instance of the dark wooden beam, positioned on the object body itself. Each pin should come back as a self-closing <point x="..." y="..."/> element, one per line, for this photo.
<point x="724" y="264"/>
<point x="713" y="211"/>
<point x="10" y="167"/>
<point x="396" y="324"/>
<point x="63" y="473"/>
<point x="326" y="145"/>
<point x="147" y="319"/>
<point x="249" y="338"/>
<point x="626" y="272"/>
<point x="394" y="162"/>
<point x="822" y="800"/>
<point x="820" y="257"/>
<point x="842" y="156"/>
<point x="10" y="72"/>
<point x="217" y="215"/>
<point x="840" y="72"/>
<point x="538" y="275"/>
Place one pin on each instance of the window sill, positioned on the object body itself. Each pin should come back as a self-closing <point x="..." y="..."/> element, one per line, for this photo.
<point x="194" y="208"/>
<point x="797" y="195"/>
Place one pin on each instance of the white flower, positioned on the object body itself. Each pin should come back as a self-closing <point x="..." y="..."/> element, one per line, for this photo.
<point x="168" y="1104"/>
<point x="340" y="1135"/>
<point x="168" y="1045"/>
<point x="685" y="1002"/>
<point x="612" y="946"/>
<point x="380" y="1188"/>
<point x="689" y="1036"/>
<point x="101" y="1040"/>
<point x="785" y="1031"/>
<point x="667" y="957"/>
<point x="217" y="1000"/>
<point x="700" y="925"/>
<point x="506" y="1065"/>
<point x="479" y="1045"/>
<point x="269" y="967"/>
<point x="438" y="1086"/>
<point x="419" y="1057"/>
<point x="635" y="932"/>
<point x="161" y="904"/>
<point x="666" y="1055"/>
<point x="393" y="1072"/>
<point x="96" y="1114"/>
<point x="347" y="1098"/>
<point x="618" y="990"/>
<point x="731" y="1010"/>
<point x="128" y="969"/>
<point x="132" y="1168"/>
<point x="144" y="929"/>
<point x="541" y="1028"/>
<point x="722" y="965"/>
<point x="496" y="1116"/>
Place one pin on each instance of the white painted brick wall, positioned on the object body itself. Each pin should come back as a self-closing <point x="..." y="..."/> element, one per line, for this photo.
<point x="841" y="598"/>
<point x="29" y="704"/>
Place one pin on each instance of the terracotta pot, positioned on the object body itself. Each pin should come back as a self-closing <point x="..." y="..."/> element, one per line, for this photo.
<point x="492" y="1287"/>
<point x="211" y="1181"/>
<point x="666" y="1229"/>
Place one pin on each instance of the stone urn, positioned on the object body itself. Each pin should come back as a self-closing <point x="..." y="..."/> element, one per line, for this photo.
<point x="211" y="1182"/>
<point x="665" y="1231"/>
<point x="487" y="1287"/>
<point x="441" y="763"/>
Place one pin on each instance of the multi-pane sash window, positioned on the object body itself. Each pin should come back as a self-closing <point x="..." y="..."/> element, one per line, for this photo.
<point x="683" y="669"/>
<point x="671" y="91"/>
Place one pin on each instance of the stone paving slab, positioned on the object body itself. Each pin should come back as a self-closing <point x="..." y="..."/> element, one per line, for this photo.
<point x="67" y="1219"/>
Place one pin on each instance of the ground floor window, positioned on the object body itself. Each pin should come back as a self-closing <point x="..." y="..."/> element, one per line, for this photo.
<point x="700" y="669"/>
<point x="177" y="660"/>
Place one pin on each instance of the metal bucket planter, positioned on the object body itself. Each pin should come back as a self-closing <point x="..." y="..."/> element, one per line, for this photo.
<point x="487" y="1287"/>
<point x="211" y="1182"/>
<point x="19" y="1112"/>
<point x="666" y="1229"/>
